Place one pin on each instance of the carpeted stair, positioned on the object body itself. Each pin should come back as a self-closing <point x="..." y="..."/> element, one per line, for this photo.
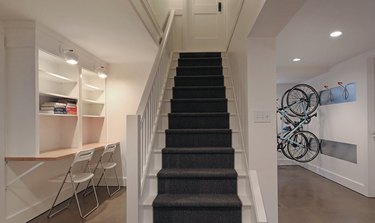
<point x="198" y="182"/>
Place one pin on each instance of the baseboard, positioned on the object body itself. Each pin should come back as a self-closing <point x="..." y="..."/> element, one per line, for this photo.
<point x="34" y="210"/>
<point x="342" y="180"/>
<point x="286" y="162"/>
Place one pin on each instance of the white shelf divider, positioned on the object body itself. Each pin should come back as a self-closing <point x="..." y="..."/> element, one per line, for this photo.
<point x="88" y="101"/>
<point x="50" y="94"/>
<point x="58" y="115"/>
<point x="90" y="87"/>
<point x="55" y="77"/>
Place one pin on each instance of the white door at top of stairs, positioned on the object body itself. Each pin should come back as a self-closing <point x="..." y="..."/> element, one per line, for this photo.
<point x="204" y="25"/>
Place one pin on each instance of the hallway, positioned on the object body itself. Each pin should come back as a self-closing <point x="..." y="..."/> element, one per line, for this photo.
<point x="310" y="198"/>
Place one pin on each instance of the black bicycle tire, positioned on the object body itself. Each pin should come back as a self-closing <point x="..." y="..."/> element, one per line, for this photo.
<point x="308" y="97"/>
<point x="315" y="154"/>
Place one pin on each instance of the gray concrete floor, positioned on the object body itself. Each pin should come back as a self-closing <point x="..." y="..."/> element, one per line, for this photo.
<point x="111" y="210"/>
<point x="309" y="198"/>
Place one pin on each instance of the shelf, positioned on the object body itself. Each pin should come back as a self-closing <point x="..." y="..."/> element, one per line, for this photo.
<point x="89" y="87"/>
<point x="58" y="154"/>
<point x="87" y="101"/>
<point x="57" y="115"/>
<point x="50" y="94"/>
<point x="93" y="116"/>
<point x="55" y="77"/>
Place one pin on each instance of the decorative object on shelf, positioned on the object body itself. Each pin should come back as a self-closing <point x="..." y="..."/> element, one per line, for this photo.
<point x="101" y="72"/>
<point x="341" y="94"/>
<point x="69" y="55"/>
<point x="62" y="106"/>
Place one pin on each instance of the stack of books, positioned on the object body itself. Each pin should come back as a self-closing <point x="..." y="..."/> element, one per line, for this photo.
<point x="62" y="106"/>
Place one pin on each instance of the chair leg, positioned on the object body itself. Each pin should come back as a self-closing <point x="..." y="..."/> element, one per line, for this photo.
<point x="79" y="206"/>
<point x="118" y="184"/>
<point x="50" y="214"/>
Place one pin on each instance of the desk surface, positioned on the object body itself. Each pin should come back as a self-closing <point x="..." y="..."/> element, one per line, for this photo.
<point x="57" y="154"/>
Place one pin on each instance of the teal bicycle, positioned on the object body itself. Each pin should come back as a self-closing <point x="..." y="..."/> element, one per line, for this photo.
<point x="298" y="105"/>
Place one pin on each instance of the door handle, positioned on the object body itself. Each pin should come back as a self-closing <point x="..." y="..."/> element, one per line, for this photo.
<point x="219" y="7"/>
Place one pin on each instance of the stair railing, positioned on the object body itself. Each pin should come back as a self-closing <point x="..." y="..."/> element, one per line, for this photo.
<point x="141" y="128"/>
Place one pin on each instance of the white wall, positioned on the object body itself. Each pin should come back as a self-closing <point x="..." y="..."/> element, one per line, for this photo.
<point x="160" y="8"/>
<point x="125" y="86"/>
<point x="261" y="61"/>
<point x="253" y="67"/>
<point x="2" y="125"/>
<point x="347" y="122"/>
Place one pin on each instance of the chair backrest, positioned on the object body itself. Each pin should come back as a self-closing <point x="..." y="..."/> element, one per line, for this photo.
<point x="81" y="156"/>
<point x="109" y="148"/>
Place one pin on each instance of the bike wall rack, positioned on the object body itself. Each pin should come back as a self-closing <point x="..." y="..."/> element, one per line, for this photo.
<point x="340" y="94"/>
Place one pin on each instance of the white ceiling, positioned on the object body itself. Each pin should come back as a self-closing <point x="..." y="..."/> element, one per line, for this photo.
<point x="307" y="36"/>
<point x="110" y="29"/>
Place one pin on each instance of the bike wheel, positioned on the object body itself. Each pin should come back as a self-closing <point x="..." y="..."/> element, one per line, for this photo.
<point x="303" y="146"/>
<point x="302" y="99"/>
<point x="281" y="147"/>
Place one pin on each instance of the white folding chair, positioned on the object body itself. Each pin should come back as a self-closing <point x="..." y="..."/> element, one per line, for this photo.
<point x="105" y="163"/>
<point x="76" y="178"/>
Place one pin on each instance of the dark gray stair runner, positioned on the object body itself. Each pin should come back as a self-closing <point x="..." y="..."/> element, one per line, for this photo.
<point x="198" y="182"/>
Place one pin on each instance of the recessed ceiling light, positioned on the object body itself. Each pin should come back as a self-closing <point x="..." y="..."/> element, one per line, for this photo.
<point x="296" y="60"/>
<point x="336" y="34"/>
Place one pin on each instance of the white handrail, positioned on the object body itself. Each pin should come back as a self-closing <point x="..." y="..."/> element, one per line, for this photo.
<point x="260" y="211"/>
<point x="235" y="25"/>
<point x="141" y="128"/>
<point x="155" y="67"/>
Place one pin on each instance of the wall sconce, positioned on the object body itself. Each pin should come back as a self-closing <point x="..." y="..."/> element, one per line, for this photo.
<point x="101" y="72"/>
<point x="70" y="56"/>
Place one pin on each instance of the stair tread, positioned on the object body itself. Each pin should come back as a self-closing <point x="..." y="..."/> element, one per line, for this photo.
<point x="199" y="67"/>
<point x="198" y="200"/>
<point x="198" y="150"/>
<point x="200" y="99"/>
<point x="199" y="87"/>
<point x="200" y="114"/>
<point x="200" y="58"/>
<point x="198" y="76"/>
<point x="198" y="131"/>
<point x="198" y="173"/>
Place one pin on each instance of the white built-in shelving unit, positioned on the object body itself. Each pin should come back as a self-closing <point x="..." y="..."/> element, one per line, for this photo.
<point x="93" y="106"/>
<point x="38" y="73"/>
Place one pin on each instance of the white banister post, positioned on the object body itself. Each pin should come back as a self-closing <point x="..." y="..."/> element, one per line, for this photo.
<point x="132" y="168"/>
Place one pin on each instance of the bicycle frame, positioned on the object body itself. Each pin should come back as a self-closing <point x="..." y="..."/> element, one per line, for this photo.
<point x="286" y="136"/>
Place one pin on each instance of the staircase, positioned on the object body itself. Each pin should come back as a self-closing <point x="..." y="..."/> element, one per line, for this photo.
<point x="198" y="180"/>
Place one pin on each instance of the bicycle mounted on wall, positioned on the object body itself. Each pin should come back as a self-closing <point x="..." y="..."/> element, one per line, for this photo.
<point x="297" y="108"/>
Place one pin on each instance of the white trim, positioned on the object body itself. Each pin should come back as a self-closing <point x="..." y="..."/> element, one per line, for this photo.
<point x="344" y="181"/>
<point x="260" y="211"/>
<point x="286" y="162"/>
